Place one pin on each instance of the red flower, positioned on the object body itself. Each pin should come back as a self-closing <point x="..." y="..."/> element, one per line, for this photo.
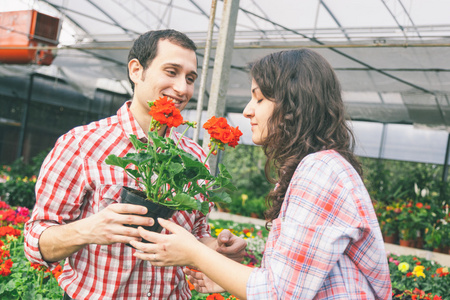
<point x="164" y="112"/>
<point x="221" y="133"/>
<point x="215" y="296"/>
<point x="37" y="266"/>
<point x="8" y="230"/>
<point x="419" y="292"/>
<point x="191" y="286"/>
<point x="57" y="271"/>
<point x="419" y="205"/>
<point x="5" y="268"/>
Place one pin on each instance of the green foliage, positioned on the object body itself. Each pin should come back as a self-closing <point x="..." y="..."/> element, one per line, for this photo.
<point x="246" y="165"/>
<point x="18" y="180"/>
<point x="26" y="282"/>
<point x="18" y="191"/>
<point x="388" y="180"/>
<point x="19" y="168"/>
<point x="410" y="272"/>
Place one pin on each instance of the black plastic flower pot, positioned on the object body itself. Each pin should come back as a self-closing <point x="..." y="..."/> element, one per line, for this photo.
<point x="154" y="210"/>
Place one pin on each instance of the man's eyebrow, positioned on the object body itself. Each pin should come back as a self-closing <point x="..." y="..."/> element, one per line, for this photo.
<point x="178" y="66"/>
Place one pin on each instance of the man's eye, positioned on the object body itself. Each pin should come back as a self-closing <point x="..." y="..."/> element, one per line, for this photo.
<point x="170" y="72"/>
<point x="190" y="80"/>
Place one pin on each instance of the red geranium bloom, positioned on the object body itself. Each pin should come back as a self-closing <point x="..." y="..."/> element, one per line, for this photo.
<point x="57" y="271"/>
<point x="419" y="205"/>
<point x="164" y="111"/>
<point x="221" y="133"/>
<point x="5" y="268"/>
<point x="8" y="230"/>
<point x="215" y="296"/>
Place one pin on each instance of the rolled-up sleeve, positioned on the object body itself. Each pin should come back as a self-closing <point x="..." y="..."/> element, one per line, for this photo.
<point x="59" y="192"/>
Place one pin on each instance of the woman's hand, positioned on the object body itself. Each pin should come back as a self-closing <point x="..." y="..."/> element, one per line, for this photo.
<point x="202" y="283"/>
<point x="176" y="249"/>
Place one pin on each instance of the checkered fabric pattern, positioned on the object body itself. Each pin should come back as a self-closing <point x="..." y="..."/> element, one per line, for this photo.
<point x="75" y="182"/>
<point x="326" y="243"/>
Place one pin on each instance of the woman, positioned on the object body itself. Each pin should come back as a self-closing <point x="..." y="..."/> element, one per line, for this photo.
<point x="325" y="242"/>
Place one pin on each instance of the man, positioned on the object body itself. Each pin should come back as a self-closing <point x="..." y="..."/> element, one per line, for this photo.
<point x="78" y="215"/>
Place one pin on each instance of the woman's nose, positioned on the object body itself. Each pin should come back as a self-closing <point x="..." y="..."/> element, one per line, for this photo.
<point x="248" y="110"/>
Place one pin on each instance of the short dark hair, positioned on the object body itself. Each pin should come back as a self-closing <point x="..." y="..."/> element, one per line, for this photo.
<point x="145" y="47"/>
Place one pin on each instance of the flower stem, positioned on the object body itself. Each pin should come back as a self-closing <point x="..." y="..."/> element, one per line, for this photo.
<point x="213" y="147"/>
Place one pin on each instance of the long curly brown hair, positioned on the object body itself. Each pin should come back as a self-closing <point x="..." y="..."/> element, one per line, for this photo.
<point x="308" y="116"/>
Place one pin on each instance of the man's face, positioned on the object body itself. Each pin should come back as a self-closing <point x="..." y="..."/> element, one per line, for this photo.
<point x="172" y="73"/>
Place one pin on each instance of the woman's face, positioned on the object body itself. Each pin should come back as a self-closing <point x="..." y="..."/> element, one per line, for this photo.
<point x="258" y="111"/>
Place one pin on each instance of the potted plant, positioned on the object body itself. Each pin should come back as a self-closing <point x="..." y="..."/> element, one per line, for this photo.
<point x="169" y="178"/>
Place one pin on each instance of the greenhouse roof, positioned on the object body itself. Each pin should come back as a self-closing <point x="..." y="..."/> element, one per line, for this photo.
<point x="391" y="56"/>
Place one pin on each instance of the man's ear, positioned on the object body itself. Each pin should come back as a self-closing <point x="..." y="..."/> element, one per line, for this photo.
<point x="135" y="70"/>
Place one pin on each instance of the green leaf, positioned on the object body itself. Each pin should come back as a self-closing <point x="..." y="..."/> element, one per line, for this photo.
<point x="220" y="197"/>
<point x="205" y="207"/>
<point x="137" y="144"/>
<point x="224" y="172"/>
<point x="175" y="168"/>
<point x="136" y="159"/>
<point x="187" y="201"/>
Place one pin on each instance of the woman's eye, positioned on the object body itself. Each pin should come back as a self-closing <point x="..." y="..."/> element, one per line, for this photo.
<point x="259" y="101"/>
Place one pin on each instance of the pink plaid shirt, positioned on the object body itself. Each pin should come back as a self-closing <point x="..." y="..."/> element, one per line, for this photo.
<point x="326" y="243"/>
<point x="75" y="182"/>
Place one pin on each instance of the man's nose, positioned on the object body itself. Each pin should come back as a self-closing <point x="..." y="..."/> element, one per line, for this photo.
<point x="180" y="86"/>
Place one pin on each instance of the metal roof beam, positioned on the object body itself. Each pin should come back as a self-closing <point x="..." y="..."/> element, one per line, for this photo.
<point x="335" y="19"/>
<point x="127" y="31"/>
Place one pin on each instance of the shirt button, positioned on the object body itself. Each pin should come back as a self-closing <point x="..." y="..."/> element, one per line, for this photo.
<point x="149" y="294"/>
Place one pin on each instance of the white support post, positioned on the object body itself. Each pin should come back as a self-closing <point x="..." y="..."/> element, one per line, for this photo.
<point x="221" y="72"/>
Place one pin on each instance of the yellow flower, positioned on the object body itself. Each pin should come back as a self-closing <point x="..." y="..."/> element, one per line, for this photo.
<point x="418" y="271"/>
<point x="445" y="270"/>
<point x="244" y="197"/>
<point x="249" y="234"/>
<point x="403" y="267"/>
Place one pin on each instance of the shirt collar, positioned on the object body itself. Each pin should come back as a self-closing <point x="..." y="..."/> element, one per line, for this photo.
<point x="128" y="122"/>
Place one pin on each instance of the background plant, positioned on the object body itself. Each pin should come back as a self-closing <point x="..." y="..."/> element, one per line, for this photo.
<point x="19" y="278"/>
<point x="18" y="180"/>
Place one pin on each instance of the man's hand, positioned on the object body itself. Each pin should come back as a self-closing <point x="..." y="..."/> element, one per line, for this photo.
<point x="107" y="226"/>
<point x="231" y="246"/>
<point x="104" y="228"/>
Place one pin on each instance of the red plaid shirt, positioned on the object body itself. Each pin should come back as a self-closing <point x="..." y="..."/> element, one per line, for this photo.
<point x="326" y="242"/>
<point x="75" y="182"/>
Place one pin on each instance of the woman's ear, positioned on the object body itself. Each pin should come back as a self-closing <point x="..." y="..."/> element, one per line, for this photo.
<point x="135" y="70"/>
